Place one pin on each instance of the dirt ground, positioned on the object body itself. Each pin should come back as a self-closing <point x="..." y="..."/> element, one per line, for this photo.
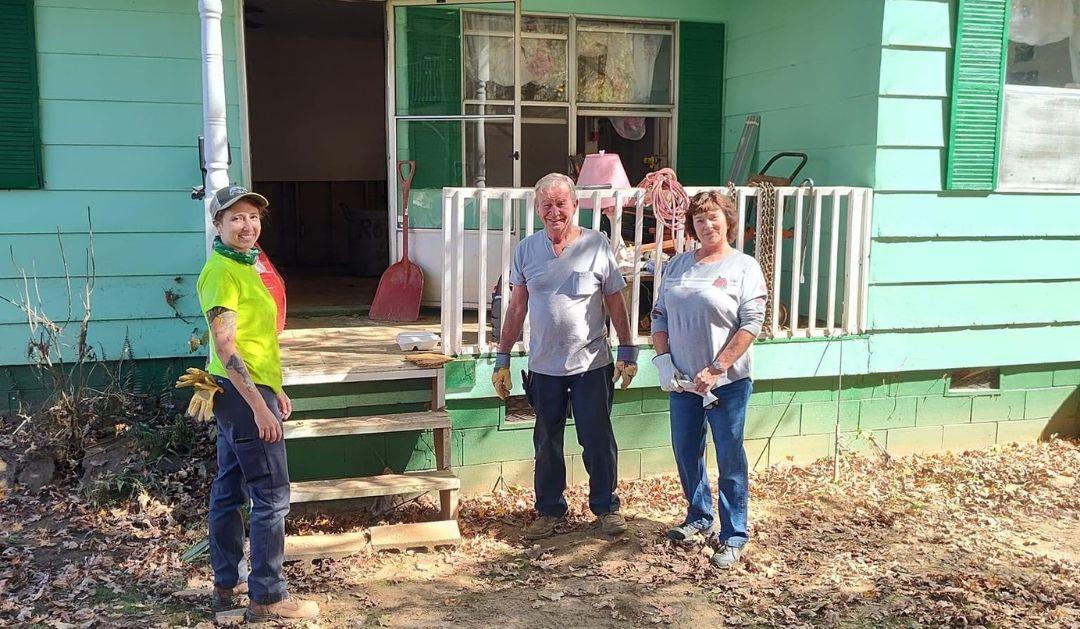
<point x="988" y="538"/>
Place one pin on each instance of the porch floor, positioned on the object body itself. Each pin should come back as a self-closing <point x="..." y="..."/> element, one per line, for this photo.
<point x="326" y="292"/>
<point x="346" y="348"/>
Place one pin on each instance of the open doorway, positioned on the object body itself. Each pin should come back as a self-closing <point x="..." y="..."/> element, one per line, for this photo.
<point x="317" y="115"/>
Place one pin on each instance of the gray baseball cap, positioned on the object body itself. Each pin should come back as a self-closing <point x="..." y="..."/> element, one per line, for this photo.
<point x="229" y="195"/>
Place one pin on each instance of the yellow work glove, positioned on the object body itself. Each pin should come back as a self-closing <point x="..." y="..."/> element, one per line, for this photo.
<point x="500" y="378"/>
<point x="201" y="406"/>
<point x="625" y="365"/>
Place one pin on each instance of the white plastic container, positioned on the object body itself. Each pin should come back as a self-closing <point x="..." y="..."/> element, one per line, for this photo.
<point x="413" y="341"/>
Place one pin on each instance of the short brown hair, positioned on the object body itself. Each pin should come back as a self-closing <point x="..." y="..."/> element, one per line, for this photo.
<point x="708" y="201"/>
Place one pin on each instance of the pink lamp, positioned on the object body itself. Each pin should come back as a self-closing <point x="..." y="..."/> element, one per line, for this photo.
<point x="603" y="169"/>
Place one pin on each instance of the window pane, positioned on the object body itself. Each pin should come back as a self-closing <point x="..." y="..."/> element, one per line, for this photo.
<point x="543" y="70"/>
<point x="1040" y="140"/>
<point x="544" y="136"/>
<point x="623" y="62"/>
<point x="643" y="144"/>
<point x="427" y="60"/>
<point x="1044" y="44"/>
<point x="489" y="67"/>
<point x="488" y="148"/>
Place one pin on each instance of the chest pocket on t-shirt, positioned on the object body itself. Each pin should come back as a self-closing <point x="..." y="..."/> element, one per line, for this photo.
<point x="583" y="284"/>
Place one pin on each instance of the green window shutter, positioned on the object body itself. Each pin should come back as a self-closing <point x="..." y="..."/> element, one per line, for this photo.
<point x="982" y="31"/>
<point x="20" y="143"/>
<point x="701" y="121"/>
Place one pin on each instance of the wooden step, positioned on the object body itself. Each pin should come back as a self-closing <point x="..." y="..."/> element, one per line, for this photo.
<point x="335" y="545"/>
<point x="418" y="535"/>
<point x="390" y="537"/>
<point x="404" y="422"/>
<point x="320" y="373"/>
<point x="370" y="486"/>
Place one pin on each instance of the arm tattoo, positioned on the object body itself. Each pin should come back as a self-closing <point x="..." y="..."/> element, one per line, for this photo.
<point x="235" y="363"/>
<point x="222" y="324"/>
<point x="213" y="313"/>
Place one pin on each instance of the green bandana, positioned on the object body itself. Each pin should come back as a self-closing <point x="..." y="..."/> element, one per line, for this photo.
<point x="232" y="254"/>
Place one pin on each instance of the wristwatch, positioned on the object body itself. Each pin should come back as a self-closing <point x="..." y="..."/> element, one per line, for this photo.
<point x="717" y="367"/>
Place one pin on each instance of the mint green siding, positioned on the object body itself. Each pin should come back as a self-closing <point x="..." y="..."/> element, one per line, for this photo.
<point x="811" y="72"/>
<point x="957" y="279"/>
<point x="120" y="103"/>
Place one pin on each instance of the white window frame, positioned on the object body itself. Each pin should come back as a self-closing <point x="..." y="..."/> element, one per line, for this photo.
<point x="575" y="108"/>
<point x="1012" y="91"/>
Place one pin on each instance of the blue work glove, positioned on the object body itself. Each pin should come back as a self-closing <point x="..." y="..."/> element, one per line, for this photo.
<point x="500" y="377"/>
<point x="625" y="364"/>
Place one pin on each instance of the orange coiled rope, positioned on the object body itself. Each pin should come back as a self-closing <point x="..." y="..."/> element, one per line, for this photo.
<point x="666" y="196"/>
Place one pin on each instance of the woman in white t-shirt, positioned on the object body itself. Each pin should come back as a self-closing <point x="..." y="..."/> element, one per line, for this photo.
<point x="709" y="311"/>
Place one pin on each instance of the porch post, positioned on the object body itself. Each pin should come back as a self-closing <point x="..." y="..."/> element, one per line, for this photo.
<point x="215" y="131"/>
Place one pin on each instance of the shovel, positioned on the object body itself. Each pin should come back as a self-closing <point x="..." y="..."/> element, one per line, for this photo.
<point x="398" y="295"/>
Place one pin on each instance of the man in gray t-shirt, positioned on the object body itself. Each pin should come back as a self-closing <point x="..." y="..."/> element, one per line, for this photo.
<point x="562" y="279"/>
<point x="566" y="295"/>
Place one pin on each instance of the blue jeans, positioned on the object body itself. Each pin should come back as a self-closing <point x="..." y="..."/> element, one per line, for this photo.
<point x="590" y="395"/>
<point x="248" y="467"/>
<point x="688" y="423"/>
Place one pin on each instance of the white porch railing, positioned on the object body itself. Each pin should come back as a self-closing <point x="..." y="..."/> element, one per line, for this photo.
<point x="821" y="245"/>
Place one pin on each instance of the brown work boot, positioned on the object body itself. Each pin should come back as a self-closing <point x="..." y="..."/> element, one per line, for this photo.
<point x="228" y="598"/>
<point x="292" y="608"/>
<point x="612" y="524"/>
<point x="543" y="526"/>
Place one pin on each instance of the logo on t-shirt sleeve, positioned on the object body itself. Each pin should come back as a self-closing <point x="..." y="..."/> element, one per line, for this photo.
<point x="721" y="282"/>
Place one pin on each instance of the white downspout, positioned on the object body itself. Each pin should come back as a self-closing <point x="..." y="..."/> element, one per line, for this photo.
<point x="215" y="131"/>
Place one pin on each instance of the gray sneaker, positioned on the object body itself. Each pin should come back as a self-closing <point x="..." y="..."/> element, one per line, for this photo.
<point x="726" y="556"/>
<point x="612" y="524"/>
<point x="543" y="526"/>
<point x="687" y="533"/>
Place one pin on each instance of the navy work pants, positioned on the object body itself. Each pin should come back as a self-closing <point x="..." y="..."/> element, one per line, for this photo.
<point x="248" y="467"/>
<point x="589" y="395"/>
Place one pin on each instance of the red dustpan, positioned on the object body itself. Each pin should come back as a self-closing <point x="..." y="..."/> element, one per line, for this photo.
<point x="400" y="287"/>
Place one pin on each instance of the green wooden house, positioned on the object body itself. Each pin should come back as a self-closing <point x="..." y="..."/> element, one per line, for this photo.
<point x="927" y="296"/>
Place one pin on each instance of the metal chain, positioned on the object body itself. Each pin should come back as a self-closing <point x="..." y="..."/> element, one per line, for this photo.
<point x="764" y="246"/>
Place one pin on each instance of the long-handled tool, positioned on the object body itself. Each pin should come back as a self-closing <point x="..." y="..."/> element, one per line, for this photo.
<point x="398" y="295"/>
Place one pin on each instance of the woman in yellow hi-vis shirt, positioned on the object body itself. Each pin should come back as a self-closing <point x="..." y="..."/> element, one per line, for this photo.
<point x="245" y="362"/>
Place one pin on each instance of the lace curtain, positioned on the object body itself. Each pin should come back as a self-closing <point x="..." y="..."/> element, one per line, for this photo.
<point x="616" y="67"/>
